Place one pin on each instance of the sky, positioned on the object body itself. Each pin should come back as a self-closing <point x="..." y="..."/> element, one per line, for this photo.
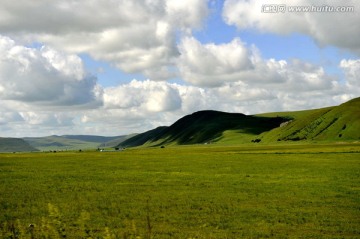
<point x="115" y="67"/>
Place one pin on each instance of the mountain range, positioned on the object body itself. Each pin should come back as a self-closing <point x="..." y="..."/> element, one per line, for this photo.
<point x="330" y="124"/>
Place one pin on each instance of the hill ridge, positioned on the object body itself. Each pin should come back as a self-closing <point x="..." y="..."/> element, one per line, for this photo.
<point x="205" y="127"/>
<point x="333" y="123"/>
<point x="15" y="145"/>
<point x="330" y="124"/>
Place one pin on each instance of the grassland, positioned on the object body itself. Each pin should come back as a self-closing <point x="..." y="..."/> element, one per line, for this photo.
<point x="204" y="191"/>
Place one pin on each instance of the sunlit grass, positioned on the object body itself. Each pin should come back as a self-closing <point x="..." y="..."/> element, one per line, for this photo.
<point x="200" y="191"/>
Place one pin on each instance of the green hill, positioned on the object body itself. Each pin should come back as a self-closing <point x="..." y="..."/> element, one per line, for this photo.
<point x="143" y="138"/>
<point x="204" y="127"/>
<point x="337" y="123"/>
<point x="73" y="142"/>
<point x="112" y="143"/>
<point x="15" y="145"/>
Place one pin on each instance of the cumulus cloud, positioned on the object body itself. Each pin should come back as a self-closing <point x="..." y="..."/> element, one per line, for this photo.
<point x="45" y="76"/>
<point x="326" y="28"/>
<point x="38" y="123"/>
<point x="212" y="65"/>
<point x="145" y="95"/>
<point x="47" y="119"/>
<point x="351" y="69"/>
<point x="135" y="36"/>
<point x="10" y="116"/>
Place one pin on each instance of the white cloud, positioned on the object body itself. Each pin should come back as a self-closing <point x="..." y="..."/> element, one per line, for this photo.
<point x="44" y="76"/>
<point x="10" y="116"/>
<point x="47" y="119"/>
<point x="187" y="13"/>
<point x="211" y="64"/>
<point x="326" y="28"/>
<point x="351" y="69"/>
<point x="146" y="95"/>
<point x="135" y="36"/>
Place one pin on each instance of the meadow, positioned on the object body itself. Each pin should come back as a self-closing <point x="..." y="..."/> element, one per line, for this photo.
<point x="203" y="191"/>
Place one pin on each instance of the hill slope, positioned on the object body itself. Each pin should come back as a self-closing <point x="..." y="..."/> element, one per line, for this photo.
<point x="204" y="127"/>
<point x="15" y="145"/>
<point x="336" y="123"/>
<point x="142" y="138"/>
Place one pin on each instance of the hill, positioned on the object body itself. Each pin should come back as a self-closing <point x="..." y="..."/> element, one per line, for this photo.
<point x="15" y="145"/>
<point x="90" y="138"/>
<point x="116" y="141"/>
<point x="143" y="138"/>
<point x="73" y="142"/>
<point x="204" y="127"/>
<point x="337" y="123"/>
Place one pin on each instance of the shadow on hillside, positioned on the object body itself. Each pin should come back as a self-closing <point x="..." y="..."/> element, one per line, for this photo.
<point x="204" y="126"/>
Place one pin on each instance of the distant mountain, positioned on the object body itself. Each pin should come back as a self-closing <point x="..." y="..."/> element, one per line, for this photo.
<point x="204" y="127"/>
<point x="15" y="145"/>
<point x="91" y="138"/>
<point x="337" y="123"/>
<point x="73" y="142"/>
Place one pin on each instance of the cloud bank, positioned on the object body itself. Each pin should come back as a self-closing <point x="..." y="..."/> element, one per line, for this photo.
<point x="44" y="77"/>
<point x="45" y="89"/>
<point x="326" y="28"/>
<point x="135" y="36"/>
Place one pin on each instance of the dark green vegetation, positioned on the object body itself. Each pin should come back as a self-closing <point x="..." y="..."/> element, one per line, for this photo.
<point x="204" y="127"/>
<point x="15" y="145"/>
<point x="258" y="191"/>
<point x="338" y="123"/>
<point x="73" y="142"/>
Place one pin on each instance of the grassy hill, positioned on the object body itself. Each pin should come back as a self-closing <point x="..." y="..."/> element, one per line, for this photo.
<point x="204" y="127"/>
<point x="15" y="145"/>
<point x="112" y="143"/>
<point x="143" y="138"/>
<point x="337" y="123"/>
<point x="73" y="142"/>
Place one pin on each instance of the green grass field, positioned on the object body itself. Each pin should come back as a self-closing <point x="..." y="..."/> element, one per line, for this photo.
<point x="205" y="191"/>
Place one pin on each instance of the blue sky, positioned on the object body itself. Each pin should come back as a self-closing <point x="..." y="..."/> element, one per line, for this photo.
<point x="147" y="63"/>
